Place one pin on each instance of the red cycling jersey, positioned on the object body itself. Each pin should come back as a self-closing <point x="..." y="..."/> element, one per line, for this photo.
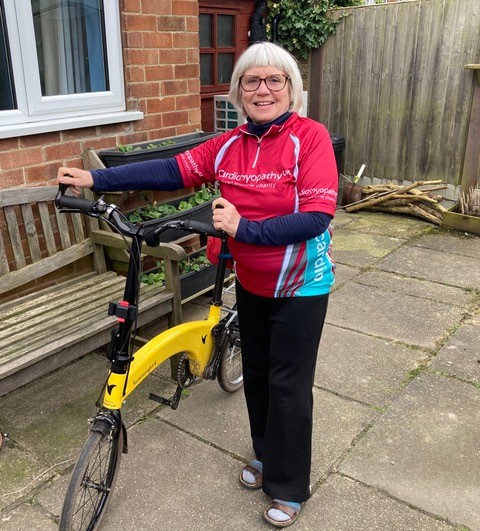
<point x="291" y="168"/>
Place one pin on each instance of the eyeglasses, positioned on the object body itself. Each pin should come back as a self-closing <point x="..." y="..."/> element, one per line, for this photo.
<point x="275" y="82"/>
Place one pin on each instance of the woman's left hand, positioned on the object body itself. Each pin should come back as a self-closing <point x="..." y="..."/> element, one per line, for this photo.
<point x="225" y="216"/>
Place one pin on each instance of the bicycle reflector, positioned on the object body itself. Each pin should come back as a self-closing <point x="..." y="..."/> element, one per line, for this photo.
<point x="123" y="311"/>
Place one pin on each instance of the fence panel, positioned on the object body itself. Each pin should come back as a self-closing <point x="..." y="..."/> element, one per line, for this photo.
<point x="392" y="81"/>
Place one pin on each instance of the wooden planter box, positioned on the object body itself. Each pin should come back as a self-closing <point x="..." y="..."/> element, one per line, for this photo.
<point x="201" y="213"/>
<point x="195" y="283"/>
<point x="461" y="222"/>
<point x="167" y="147"/>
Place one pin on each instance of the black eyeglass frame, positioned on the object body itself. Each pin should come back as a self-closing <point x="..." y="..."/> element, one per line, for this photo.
<point x="264" y="79"/>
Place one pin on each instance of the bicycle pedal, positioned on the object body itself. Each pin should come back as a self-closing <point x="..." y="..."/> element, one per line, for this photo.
<point x="160" y="399"/>
<point x="170" y="402"/>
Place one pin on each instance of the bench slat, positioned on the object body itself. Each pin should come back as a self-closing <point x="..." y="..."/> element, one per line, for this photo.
<point x="47" y="228"/>
<point x="31" y="231"/>
<point x="78" y="229"/>
<point x="7" y="308"/>
<point x="78" y="312"/>
<point x="34" y="310"/>
<point x="47" y="265"/>
<point x="72" y="333"/>
<point x="4" y="269"/>
<point x="21" y="195"/>
<point x="15" y="238"/>
<point x="63" y="229"/>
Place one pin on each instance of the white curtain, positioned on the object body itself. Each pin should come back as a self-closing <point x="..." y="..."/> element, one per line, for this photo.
<point x="69" y="36"/>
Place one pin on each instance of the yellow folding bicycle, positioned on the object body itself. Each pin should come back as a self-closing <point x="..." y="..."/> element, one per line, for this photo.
<point x="208" y="349"/>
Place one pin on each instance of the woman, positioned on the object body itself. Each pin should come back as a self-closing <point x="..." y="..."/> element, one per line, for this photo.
<point x="278" y="182"/>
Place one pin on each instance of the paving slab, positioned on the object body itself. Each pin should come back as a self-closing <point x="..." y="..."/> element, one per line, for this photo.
<point x="361" y="249"/>
<point x="179" y="482"/>
<point x="221" y="419"/>
<point x="460" y="356"/>
<point x="27" y="518"/>
<point x="344" y="273"/>
<point x="418" y="288"/>
<point x="341" y="504"/>
<point x="429" y="264"/>
<point x="425" y="450"/>
<point x="456" y="242"/>
<point x="386" y="224"/>
<point x="364" y="368"/>
<point x="396" y="316"/>
<point x="19" y="472"/>
<point x="342" y="219"/>
<point x="47" y="420"/>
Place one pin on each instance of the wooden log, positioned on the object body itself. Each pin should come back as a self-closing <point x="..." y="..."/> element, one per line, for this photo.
<point x="372" y="202"/>
<point x="410" y="209"/>
<point x="422" y="213"/>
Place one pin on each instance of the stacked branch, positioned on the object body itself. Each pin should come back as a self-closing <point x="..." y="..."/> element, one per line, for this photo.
<point x="423" y="203"/>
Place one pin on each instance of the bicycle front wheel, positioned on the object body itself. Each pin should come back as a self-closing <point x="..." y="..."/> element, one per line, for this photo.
<point x="93" y="479"/>
<point x="230" y="371"/>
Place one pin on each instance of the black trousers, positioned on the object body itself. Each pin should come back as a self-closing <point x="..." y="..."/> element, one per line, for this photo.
<point x="280" y="339"/>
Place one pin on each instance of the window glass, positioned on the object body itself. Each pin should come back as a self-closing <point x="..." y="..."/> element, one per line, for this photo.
<point x="60" y="66"/>
<point x="225" y="32"/>
<point x="225" y="67"/>
<point x="206" y="74"/>
<point x="205" y="31"/>
<point x="7" y="100"/>
<point x="70" y="37"/>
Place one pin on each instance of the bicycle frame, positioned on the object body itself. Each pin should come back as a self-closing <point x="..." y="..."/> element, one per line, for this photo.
<point x="194" y="338"/>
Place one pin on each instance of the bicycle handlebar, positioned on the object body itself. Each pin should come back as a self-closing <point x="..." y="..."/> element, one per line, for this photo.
<point x="77" y="203"/>
<point x="149" y="231"/>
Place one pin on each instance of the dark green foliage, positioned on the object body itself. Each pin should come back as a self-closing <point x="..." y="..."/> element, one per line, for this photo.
<point x="304" y="24"/>
<point x="190" y="264"/>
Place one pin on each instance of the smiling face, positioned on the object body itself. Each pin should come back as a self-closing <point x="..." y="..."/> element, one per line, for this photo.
<point x="263" y="105"/>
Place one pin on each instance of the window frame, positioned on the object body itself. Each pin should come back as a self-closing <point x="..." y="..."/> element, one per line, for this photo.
<point x="37" y="113"/>
<point x="215" y="11"/>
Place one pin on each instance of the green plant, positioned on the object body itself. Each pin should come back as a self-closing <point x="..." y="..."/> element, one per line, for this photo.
<point x="303" y="24"/>
<point x="129" y="148"/>
<point x="160" y="210"/>
<point x="189" y="265"/>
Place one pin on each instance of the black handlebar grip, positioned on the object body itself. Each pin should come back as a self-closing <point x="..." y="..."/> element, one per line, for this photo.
<point x="72" y="202"/>
<point x="204" y="228"/>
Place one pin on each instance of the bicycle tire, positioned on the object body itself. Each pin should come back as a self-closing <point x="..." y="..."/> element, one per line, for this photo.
<point x="230" y="373"/>
<point x="93" y="479"/>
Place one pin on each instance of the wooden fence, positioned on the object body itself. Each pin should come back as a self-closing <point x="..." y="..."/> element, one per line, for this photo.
<point x="392" y="82"/>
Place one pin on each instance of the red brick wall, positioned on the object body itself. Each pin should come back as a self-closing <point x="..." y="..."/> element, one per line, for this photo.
<point x="160" y="42"/>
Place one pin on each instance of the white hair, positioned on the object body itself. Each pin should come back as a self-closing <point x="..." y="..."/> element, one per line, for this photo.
<point x="267" y="54"/>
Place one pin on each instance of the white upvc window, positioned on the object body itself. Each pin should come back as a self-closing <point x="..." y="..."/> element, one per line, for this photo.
<point x="60" y="65"/>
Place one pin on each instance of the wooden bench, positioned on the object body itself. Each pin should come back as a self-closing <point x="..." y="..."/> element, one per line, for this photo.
<point x="55" y="287"/>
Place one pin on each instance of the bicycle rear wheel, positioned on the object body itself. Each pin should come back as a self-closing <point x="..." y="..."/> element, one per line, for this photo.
<point x="230" y="372"/>
<point x="93" y="478"/>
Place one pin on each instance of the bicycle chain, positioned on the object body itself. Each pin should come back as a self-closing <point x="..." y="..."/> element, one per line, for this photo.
<point x="184" y="377"/>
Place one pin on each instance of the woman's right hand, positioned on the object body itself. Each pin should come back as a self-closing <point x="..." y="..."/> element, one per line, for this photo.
<point x="75" y="178"/>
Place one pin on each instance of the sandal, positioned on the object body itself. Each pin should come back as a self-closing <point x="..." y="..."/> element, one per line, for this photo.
<point x="256" y="473"/>
<point x="287" y="509"/>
